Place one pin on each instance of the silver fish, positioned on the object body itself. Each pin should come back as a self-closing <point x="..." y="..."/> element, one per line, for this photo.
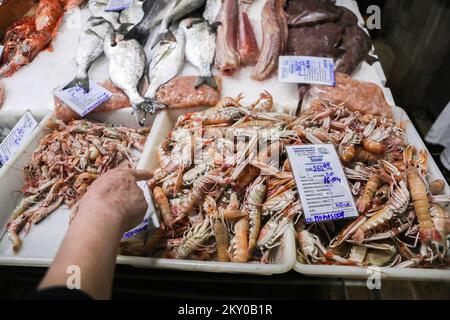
<point x="212" y="11"/>
<point x="177" y="10"/>
<point x="132" y="15"/>
<point x="200" y="49"/>
<point x="89" y="49"/>
<point x="154" y="12"/>
<point x="126" y="67"/>
<point x="97" y="8"/>
<point x="167" y="60"/>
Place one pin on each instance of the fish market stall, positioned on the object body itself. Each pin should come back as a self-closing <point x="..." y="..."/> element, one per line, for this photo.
<point x="201" y="94"/>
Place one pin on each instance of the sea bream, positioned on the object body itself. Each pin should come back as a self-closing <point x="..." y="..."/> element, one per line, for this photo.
<point x="167" y="60"/>
<point x="200" y="49"/>
<point x="97" y="8"/>
<point x="133" y="14"/>
<point x="154" y="12"/>
<point x="177" y="10"/>
<point x="89" y="49"/>
<point x="126" y="67"/>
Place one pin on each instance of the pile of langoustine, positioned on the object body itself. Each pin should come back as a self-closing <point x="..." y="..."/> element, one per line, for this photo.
<point x="402" y="220"/>
<point x="28" y="36"/>
<point x="64" y="165"/>
<point x="219" y="197"/>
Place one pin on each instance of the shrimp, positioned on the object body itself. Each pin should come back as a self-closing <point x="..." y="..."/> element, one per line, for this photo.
<point x="252" y="207"/>
<point x="164" y="206"/>
<point x="436" y="187"/>
<point x="220" y="232"/>
<point x="232" y="211"/>
<point x="239" y="243"/>
<point x="365" y="200"/>
<point x="420" y="200"/>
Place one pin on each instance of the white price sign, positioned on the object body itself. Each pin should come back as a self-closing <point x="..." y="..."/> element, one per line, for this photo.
<point x="83" y="102"/>
<point x="17" y="136"/>
<point x="321" y="183"/>
<point x="304" y="69"/>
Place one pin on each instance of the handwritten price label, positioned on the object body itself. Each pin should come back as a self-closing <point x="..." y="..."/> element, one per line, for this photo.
<point x="19" y="133"/>
<point x="305" y="69"/>
<point x="83" y="102"/>
<point x="321" y="183"/>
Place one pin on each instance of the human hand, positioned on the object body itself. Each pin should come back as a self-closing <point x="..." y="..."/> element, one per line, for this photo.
<point x="116" y="195"/>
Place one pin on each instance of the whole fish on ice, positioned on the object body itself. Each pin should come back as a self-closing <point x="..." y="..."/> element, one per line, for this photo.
<point x="98" y="7"/>
<point x="177" y="10"/>
<point x="200" y="49"/>
<point x="167" y="60"/>
<point x="89" y="49"/>
<point x="126" y="67"/>
<point x="154" y="12"/>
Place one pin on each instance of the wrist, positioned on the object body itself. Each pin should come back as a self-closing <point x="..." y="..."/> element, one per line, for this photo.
<point x="106" y="214"/>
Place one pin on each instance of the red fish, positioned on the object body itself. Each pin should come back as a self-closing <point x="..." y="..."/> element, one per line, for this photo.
<point x="227" y="56"/>
<point x="49" y="14"/>
<point x="24" y="52"/>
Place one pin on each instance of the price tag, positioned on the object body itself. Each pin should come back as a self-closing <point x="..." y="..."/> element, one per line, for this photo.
<point x="118" y="5"/>
<point x="83" y="102"/>
<point x="1" y="50"/>
<point x="19" y="133"/>
<point x="321" y="182"/>
<point x="304" y="69"/>
<point x="150" y="218"/>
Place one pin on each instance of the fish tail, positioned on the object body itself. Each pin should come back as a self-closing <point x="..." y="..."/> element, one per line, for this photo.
<point x="82" y="82"/>
<point x="147" y="106"/>
<point x="208" y="80"/>
<point x="137" y="33"/>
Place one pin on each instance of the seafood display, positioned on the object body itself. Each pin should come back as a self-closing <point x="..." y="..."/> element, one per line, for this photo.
<point x="66" y="162"/>
<point x="401" y="222"/>
<point x="218" y="200"/>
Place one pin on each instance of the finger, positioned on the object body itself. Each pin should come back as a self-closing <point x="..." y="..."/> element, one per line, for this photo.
<point x="140" y="175"/>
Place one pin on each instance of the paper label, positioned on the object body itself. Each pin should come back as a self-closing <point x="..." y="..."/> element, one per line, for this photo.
<point x="118" y="5"/>
<point x="321" y="182"/>
<point x="150" y="218"/>
<point x="304" y="69"/>
<point x="19" y="133"/>
<point x="83" y="102"/>
<point x="1" y="50"/>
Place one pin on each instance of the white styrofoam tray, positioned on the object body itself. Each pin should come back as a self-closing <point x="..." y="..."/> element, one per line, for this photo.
<point x="41" y="244"/>
<point x="43" y="240"/>
<point x="421" y="274"/>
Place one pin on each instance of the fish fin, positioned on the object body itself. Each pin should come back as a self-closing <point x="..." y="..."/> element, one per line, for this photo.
<point x="147" y="106"/>
<point x="124" y="27"/>
<point x="371" y="59"/>
<point x="166" y="36"/>
<point x="208" y="80"/>
<point x="83" y="83"/>
<point x="137" y="33"/>
<point x="213" y="26"/>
